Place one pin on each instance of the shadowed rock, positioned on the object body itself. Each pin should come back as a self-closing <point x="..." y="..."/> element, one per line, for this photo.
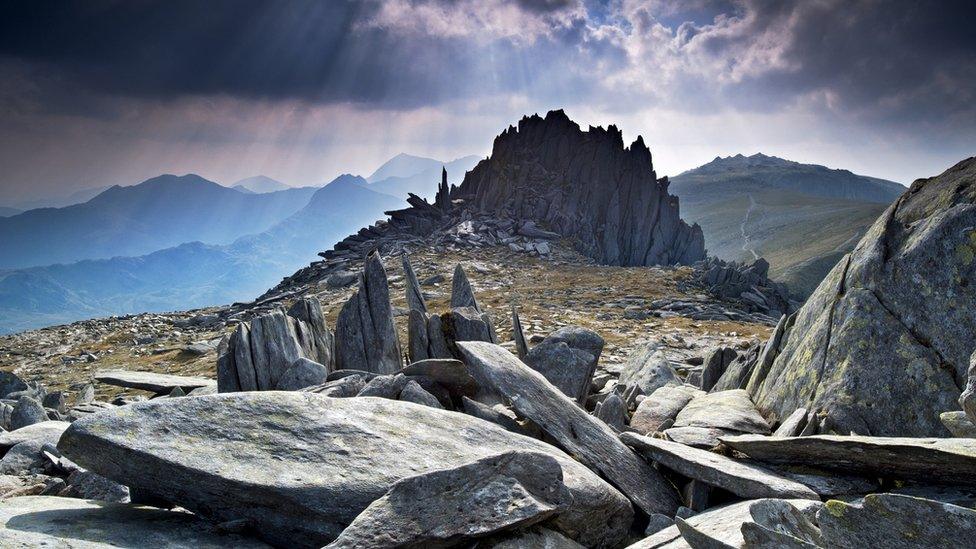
<point x="661" y="407"/>
<point x="461" y="293"/>
<point x="647" y="369"/>
<point x="150" y="381"/>
<point x="415" y="297"/>
<point x="366" y="337"/>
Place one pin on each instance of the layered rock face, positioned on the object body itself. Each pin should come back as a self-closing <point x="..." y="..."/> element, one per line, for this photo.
<point x="586" y="185"/>
<point x="883" y="344"/>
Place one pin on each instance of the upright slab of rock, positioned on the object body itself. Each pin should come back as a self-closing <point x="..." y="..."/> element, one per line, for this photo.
<point x="366" y="337"/>
<point x="299" y="467"/>
<point x="415" y="297"/>
<point x="586" y="185"/>
<point x="568" y="359"/>
<point x="882" y="346"/>
<point x="259" y="352"/>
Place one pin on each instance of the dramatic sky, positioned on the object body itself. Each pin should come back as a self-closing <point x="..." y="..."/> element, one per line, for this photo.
<point x="103" y="92"/>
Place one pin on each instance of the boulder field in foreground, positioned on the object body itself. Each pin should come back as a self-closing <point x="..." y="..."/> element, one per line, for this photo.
<point x="882" y="346"/>
<point x="300" y="467"/>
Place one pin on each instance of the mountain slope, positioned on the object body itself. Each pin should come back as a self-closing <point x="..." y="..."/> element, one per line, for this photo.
<point x="260" y="184"/>
<point x="801" y="217"/>
<point x="60" y="201"/>
<point x="7" y="212"/>
<point x="189" y="275"/>
<point x="127" y="221"/>
<point x="422" y="183"/>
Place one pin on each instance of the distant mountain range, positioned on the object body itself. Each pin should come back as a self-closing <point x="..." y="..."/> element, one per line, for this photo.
<point x="191" y="274"/>
<point x="259" y="184"/>
<point x="7" y="212"/>
<point x="404" y="174"/>
<point x="801" y="217"/>
<point x="158" y="213"/>
<point x="60" y="201"/>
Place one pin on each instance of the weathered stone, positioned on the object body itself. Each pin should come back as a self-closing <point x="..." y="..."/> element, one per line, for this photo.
<point x="413" y="392"/>
<point x="738" y="371"/>
<point x="151" y="381"/>
<point x="717" y="527"/>
<point x="729" y="410"/>
<point x="418" y="341"/>
<point x="570" y="370"/>
<point x="445" y="508"/>
<point x="348" y="386"/>
<point x="314" y="337"/>
<point x="740" y="478"/>
<point x="23" y="458"/>
<point x="793" y="425"/>
<point x="46" y="521"/>
<point x="449" y="373"/>
<point x="27" y="411"/>
<point x="535" y="537"/>
<point x="780" y="524"/>
<point x="10" y="383"/>
<point x="612" y="411"/>
<point x="905" y="284"/>
<point x="959" y="424"/>
<point x="87" y="485"/>
<point x="437" y="342"/>
<point x="415" y="297"/>
<point x="896" y="522"/>
<point x="55" y="401"/>
<point x="586" y="437"/>
<point x="543" y="171"/>
<point x="697" y="437"/>
<point x="755" y="536"/>
<point x="385" y="386"/>
<point x="648" y="369"/>
<point x="951" y="460"/>
<point x="85" y="395"/>
<point x="44" y="432"/>
<point x="301" y="467"/>
<point x="468" y="324"/>
<point x="366" y="337"/>
<point x="491" y="414"/>
<point x="826" y="484"/>
<point x="302" y="373"/>
<point x="715" y="365"/>
<point x="661" y="406"/>
<point x="461" y="293"/>
<point x="967" y="400"/>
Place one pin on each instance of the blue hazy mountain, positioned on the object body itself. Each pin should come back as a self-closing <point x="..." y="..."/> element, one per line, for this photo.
<point x="259" y="184"/>
<point x="191" y="274"/>
<point x="801" y="217"/>
<point x="404" y="174"/>
<point x="61" y="200"/>
<point x="7" y="212"/>
<point x="158" y="213"/>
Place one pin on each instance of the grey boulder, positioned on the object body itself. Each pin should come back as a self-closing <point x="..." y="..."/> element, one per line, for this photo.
<point x="661" y="407"/>
<point x="648" y="369"/>
<point x="45" y="432"/>
<point x="300" y="467"/>
<point x="728" y="410"/>
<point x="302" y="373"/>
<point x="27" y="411"/>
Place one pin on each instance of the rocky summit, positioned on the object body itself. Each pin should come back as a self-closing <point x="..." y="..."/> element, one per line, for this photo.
<point x="541" y="357"/>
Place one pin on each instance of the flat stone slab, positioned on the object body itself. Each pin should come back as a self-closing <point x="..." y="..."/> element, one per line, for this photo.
<point x="731" y="410"/>
<point x="150" y="381"/>
<point x="942" y="460"/>
<point x="582" y="434"/>
<point x="69" y="523"/>
<point x="300" y="466"/>
<point x="663" y="405"/>
<point x="723" y="525"/>
<point x="742" y="479"/>
<point x="46" y="432"/>
<point x="896" y="522"/>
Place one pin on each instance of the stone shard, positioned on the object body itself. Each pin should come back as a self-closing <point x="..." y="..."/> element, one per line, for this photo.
<point x="468" y="324"/>
<point x="521" y="346"/>
<point x="366" y="337"/>
<point x="896" y="522"/>
<point x="570" y="370"/>
<point x="588" y="186"/>
<point x="448" y="507"/>
<point x="728" y="410"/>
<point x="27" y="411"/>
<point x="300" y="466"/>
<point x="47" y="521"/>
<point x="950" y="461"/>
<point x="10" y="383"/>
<point x="150" y="381"/>
<point x="461" y="293"/>
<point x="959" y="424"/>
<point x="583" y="435"/>
<point x="793" y="425"/>
<point x="715" y="365"/>
<point x="314" y="337"/>
<point x="661" y="407"/>
<point x="743" y="479"/>
<point x="449" y="373"/>
<point x="413" y="392"/>
<point x="905" y="284"/>
<point x="612" y="411"/>
<point x="418" y="340"/>
<point x="415" y="297"/>
<point x="647" y="369"/>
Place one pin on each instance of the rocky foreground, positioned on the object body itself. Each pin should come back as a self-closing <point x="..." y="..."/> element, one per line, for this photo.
<point x="460" y="378"/>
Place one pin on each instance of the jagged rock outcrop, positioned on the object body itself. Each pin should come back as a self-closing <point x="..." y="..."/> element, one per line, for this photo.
<point x="585" y="185"/>
<point x="882" y="346"/>
<point x="366" y="338"/>
<point x="260" y="352"/>
<point x="746" y="283"/>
